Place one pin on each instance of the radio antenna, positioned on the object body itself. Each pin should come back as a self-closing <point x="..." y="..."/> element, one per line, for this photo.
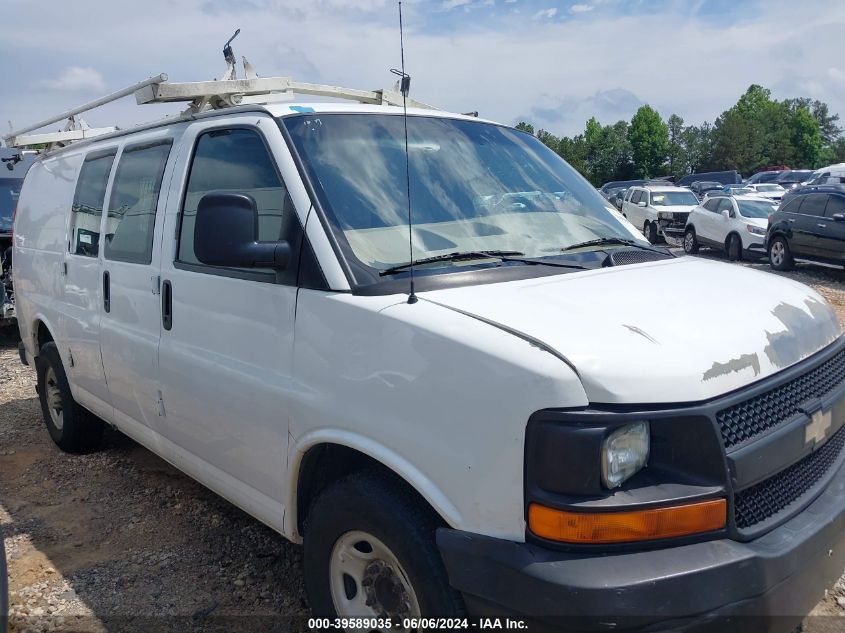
<point x="405" y="87"/>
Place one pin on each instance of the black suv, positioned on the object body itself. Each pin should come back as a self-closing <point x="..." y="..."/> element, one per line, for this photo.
<point x="810" y="225"/>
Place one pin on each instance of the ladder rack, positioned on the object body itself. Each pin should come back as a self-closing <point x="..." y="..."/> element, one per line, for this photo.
<point x="201" y="96"/>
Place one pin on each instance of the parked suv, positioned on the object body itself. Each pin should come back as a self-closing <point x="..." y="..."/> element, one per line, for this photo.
<point x="734" y="224"/>
<point x="659" y="210"/>
<point x="494" y="418"/>
<point x="810" y="226"/>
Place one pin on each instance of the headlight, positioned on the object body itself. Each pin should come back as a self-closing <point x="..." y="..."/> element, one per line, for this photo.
<point x="665" y="215"/>
<point x="755" y="230"/>
<point x="624" y="452"/>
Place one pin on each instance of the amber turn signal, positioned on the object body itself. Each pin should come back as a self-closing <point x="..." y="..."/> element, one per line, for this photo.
<point x="620" y="527"/>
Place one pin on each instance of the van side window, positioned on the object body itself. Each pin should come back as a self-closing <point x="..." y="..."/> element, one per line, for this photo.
<point x="87" y="208"/>
<point x="134" y="197"/>
<point x="235" y="160"/>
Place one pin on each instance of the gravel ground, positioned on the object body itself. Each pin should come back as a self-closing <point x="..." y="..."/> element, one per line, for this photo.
<point x="119" y="540"/>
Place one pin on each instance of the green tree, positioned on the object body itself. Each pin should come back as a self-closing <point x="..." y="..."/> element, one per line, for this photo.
<point x="549" y="139"/>
<point x="677" y="161"/>
<point x="649" y="138"/>
<point x="806" y="137"/>
<point x="525" y="127"/>
<point x="697" y="142"/>
<point x="574" y="151"/>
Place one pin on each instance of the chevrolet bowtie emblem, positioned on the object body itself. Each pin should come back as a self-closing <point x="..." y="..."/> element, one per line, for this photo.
<point x="818" y="426"/>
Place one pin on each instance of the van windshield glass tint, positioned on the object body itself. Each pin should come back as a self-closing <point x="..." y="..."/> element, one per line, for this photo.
<point x="10" y="189"/>
<point x="474" y="186"/>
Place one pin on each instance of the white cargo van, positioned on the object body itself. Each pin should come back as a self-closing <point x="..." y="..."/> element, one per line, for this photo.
<point x="529" y="433"/>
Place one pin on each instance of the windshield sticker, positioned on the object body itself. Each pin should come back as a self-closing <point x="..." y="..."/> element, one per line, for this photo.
<point x="302" y="109"/>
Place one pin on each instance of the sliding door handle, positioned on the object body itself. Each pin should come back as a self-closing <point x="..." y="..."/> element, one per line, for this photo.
<point x="106" y="291"/>
<point x="166" y="304"/>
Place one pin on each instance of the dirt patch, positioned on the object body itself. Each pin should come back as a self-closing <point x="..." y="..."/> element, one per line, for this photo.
<point x="120" y="541"/>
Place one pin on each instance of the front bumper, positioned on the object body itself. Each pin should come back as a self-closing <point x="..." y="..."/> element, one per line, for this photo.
<point x="768" y="584"/>
<point x="756" y="249"/>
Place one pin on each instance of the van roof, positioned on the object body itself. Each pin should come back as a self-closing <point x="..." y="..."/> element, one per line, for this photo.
<point x="277" y="110"/>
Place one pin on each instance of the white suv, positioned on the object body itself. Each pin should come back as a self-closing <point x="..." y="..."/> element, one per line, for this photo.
<point x="506" y="426"/>
<point x="659" y="210"/>
<point x="735" y="224"/>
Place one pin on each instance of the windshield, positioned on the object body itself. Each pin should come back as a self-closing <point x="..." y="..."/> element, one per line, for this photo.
<point x="755" y="208"/>
<point x="668" y="198"/>
<point x="769" y="188"/>
<point x="474" y="187"/>
<point x="10" y="189"/>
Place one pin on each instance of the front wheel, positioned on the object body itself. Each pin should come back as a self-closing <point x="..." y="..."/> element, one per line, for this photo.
<point x="650" y="232"/>
<point x="690" y="242"/>
<point x="369" y="551"/>
<point x="780" y="257"/>
<point x="734" y="248"/>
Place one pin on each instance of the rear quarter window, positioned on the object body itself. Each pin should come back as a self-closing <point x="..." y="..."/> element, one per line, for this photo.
<point x="88" y="200"/>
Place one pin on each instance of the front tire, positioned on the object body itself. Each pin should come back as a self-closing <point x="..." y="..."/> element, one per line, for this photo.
<point x="690" y="242"/>
<point x="780" y="257"/>
<point x="650" y="232"/>
<point x="72" y="428"/>
<point x="369" y="551"/>
<point x="734" y="247"/>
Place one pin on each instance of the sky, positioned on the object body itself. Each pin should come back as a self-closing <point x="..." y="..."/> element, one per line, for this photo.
<point x="553" y="63"/>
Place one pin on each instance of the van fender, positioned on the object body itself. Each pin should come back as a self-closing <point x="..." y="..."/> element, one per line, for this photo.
<point x="404" y="469"/>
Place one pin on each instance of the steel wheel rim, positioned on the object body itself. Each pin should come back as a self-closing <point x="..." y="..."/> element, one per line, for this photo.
<point x="688" y="242"/>
<point x="54" y="399"/>
<point x="777" y="253"/>
<point x="366" y="580"/>
<point x="647" y="231"/>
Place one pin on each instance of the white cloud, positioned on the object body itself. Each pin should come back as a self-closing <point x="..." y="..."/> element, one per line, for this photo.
<point x="581" y="8"/>
<point x="546" y="13"/>
<point x="76" y="78"/>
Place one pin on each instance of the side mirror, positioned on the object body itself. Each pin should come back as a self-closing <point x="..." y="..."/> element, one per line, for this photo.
<point x="226" y="234"/>
<point x="641" y="203"/>
<point x="838" y="217"/>
<point x="726" y="214"/>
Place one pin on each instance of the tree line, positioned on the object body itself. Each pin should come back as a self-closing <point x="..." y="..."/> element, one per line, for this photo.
<point x="756" y="132"/>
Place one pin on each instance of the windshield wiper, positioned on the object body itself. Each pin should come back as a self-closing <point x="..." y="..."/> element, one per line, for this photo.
<point x="505" y="256"/>
<point x="607" y="240"/>
<point x="450" y="257"/>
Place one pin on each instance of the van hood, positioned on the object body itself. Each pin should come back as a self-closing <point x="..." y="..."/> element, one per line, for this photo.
<point x="680" y="330"/>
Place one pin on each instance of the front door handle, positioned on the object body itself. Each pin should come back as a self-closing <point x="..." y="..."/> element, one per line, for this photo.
<point x="821" y="226"/>
<point x="106" y="291"/>
<point x="166" y="304"/>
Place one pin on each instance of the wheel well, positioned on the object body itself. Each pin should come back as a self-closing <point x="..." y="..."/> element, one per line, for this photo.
<point x="325" y="464"/>
<point x="43" y="335"/>
<point x="729" y="236"/>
